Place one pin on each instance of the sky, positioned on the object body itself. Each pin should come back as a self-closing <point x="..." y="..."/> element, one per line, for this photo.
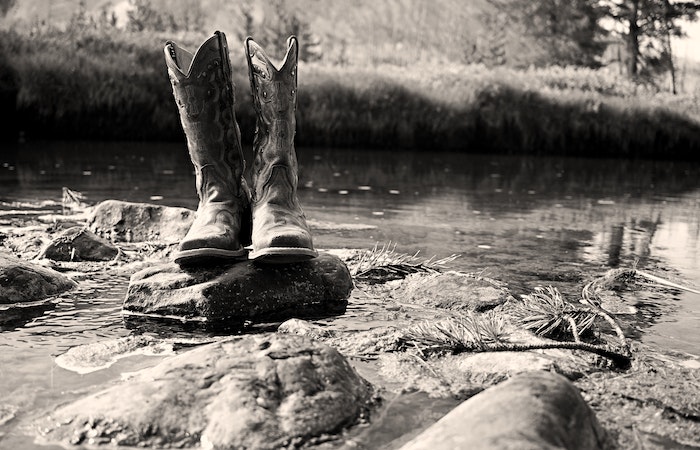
<point x="689" y="47"/>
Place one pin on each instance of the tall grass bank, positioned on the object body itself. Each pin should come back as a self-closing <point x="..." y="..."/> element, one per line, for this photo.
<point x="94" y="85"/>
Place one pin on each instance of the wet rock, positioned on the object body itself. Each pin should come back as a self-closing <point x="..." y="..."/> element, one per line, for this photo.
<point x="304" y="328"/>
<point x="450" y="290"/>
<point x="21" y="281"/>
<point x="242" y="291"/>
<point x="255" y="392"/>
<point x="656" y="405"/>
<point x="418" y="365"/>
<point x="79" y="244"/>
<point x="465" y="374"/>
<point x="25" y="241"/>
<point x="101" y="355"/>
<point x="7" y="413"/>
<point x="136" y="222"/>
<point x="537" y="410"/>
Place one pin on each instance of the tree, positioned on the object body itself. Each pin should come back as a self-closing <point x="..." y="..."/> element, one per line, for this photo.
<point x="648" y="26"/>
<point x="278" y="23"/>
<point x="143" y="16"/>
<point x="5" y="6"/>
<point x="566" y="32"/>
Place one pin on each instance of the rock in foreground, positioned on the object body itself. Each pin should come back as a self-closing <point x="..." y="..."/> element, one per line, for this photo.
<point x="21" y="281"/>
<point x="137" y="222"/>
<point x="255" y="392"/>
<point x="242" y="291"/>
<point x="537" y="410"/>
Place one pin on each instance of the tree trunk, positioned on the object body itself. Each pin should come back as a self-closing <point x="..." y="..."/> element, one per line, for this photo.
<point x="633" y="40"/>
<point x="669" y="48"/>
<point x="671" y="65"/>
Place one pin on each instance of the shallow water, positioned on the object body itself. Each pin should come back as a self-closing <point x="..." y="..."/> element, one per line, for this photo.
<point x="526" y="221"/>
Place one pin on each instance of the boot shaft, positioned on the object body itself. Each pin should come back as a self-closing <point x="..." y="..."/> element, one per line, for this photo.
<point x="280" y="232"/>
<point x="275" y="99"/>
<point x="203" y="91"/>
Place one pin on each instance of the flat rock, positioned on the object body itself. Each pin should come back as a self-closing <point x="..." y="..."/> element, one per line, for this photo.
<point x="450" y="290"/>
<point x="137" y="222"/>
<point x="254" y="392"/>
<point x="79" y="244"/>
<point x="536" y="410"/>
<point x="242" y="291"/>
<point x="22" y="281"/>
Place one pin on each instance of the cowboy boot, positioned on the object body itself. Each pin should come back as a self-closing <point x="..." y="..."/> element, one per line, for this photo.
<point x="280" y="232"/>
<point x="203" y="91"/>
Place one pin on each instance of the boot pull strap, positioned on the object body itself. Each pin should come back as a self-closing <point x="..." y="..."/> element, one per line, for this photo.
<point x="223" y="49"/>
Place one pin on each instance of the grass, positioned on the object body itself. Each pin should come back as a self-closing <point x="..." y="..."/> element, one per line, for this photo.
<point x="96" y="85"/>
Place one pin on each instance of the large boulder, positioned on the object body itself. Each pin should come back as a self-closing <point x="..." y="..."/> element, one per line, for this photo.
<point x="79" y="244"/>
<point x="22" y="281"/>
<point x="137" y="222"/>
<point x="242" y="291"/>
<point x="536" y="410"/>
<point x="254" y="392"/>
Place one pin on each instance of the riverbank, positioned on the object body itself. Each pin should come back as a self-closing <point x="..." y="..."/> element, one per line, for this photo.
<point x="91" y="85"/>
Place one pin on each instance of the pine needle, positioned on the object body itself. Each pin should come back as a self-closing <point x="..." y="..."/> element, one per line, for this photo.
<point x="612" y="277"/>
<point x="381" y="264"/>
<point x="487" y="333"/>
<point x="72" y="200"/>
<point x="546" y="313"/>
<point x="456" y="335"/>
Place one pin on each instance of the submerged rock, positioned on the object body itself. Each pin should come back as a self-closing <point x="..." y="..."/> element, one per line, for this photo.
<point x="242" y="291"/>
<point x="22" y="281"/>
<point x="304" y="328"/>
<point x="450" y="290"/>
<point x="255" y="392"/>
<point x="79" y="244"/>
<point x="655" y="405"/>
<point x="537" y="410"/>
<point x="99" y="355"/>
<point x="465" y="374"/>
<point x="136" y="222"/>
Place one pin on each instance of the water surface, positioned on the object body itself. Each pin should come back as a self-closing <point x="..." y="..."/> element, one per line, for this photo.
<point x="523" y="220"/>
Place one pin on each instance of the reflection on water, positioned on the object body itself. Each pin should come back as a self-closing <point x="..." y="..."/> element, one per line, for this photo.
<point x="526" y="221"/>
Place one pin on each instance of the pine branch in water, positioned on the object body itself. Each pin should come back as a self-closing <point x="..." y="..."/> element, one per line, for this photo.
<point x="546" y="313"/>
<point x="384" y="263"/>
<point x="72" y="200"/>
<point x="488" y="333"/>
<point x="613" y="277"/>
<point x="456" y="335"/>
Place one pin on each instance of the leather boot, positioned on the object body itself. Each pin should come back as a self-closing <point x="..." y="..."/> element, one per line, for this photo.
<point x="280" y="232"/>
<point x="203" y="91"/>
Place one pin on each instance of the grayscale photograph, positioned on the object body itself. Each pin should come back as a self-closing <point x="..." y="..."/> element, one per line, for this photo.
<point x="350" y="225"/>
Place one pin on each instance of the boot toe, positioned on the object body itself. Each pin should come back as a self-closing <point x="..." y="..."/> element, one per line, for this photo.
<point x="285" y="248"/>
<point x="292" y="240"/>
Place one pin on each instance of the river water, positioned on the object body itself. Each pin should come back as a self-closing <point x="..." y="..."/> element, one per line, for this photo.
<point x="526" y="221"/>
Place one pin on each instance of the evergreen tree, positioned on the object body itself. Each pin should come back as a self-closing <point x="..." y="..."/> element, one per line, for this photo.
<point x="567" y="31"/>
<point x="5" y="6"/>
<point x="648" y="27"/>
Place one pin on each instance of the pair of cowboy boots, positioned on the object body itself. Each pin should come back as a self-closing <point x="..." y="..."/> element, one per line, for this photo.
<point x="231" y="215"/>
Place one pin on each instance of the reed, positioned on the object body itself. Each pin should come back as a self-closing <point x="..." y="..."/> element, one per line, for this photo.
<point x="99" y="85"/>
